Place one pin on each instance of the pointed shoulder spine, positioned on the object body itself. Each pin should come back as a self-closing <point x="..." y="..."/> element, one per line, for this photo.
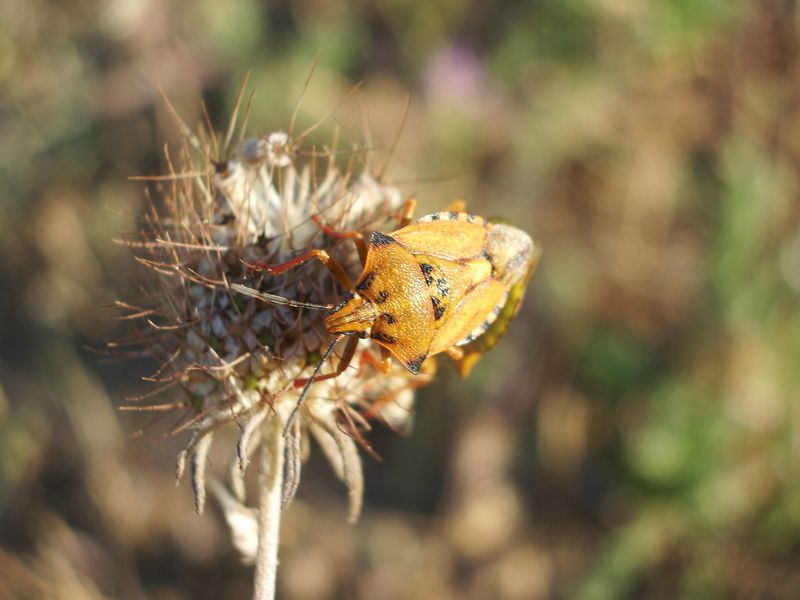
<point x="377" y="238"/>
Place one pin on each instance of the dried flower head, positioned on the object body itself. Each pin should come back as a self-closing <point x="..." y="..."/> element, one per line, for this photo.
<point x="237" y="359"/>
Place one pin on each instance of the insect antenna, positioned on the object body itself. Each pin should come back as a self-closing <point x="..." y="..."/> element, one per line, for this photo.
<point x="275" y="299"/>
<point x="309" y="383"/>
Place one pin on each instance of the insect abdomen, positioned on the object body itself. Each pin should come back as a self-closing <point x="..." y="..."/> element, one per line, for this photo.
<point x="453" y="216"/>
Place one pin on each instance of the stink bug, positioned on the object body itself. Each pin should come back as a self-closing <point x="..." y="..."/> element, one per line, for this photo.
<point x="476" y="348"/>
<point x="450" y="282"/>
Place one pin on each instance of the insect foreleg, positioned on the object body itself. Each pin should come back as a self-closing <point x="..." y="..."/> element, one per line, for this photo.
<point x="326" y="259"/>
<point x="404" y="217"/>
<point x="344" y="362"/>
<point x="358" y="239"/>
<point x="382" y="364"/>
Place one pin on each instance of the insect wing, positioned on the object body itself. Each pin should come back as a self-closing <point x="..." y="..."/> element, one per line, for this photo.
<point x="512" y="252"/>
<point x="454" y="239"/>
<point x="472" y="316"/>
<point x="473" y="350"/>
<point x="448" y="281"/>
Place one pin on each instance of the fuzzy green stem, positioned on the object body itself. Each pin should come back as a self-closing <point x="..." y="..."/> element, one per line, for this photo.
<point x="269" y="509"/>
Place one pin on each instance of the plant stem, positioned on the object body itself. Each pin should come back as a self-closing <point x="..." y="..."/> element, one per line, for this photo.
<point x="270" y="478"/>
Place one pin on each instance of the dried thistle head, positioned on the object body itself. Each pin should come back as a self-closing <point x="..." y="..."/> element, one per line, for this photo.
<point x="234" y="359"/>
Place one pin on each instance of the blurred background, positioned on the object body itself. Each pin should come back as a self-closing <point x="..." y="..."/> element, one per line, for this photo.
<point x="635" y="435"/>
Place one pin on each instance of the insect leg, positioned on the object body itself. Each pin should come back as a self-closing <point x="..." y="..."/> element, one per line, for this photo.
<point x="458" y="206"/>
<point x="326" y="259"/>
<point x="404" y="216"/>
<point x="344" y="362"/>
<point x="468" y="362"/>
<point x="356" y="236"/>
<point x="454" y="352"/>
<point x="374" y="409"/>
<point x="383" y="364"/>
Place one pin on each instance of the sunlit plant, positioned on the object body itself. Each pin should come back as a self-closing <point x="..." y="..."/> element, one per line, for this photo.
<point x="227" y="202"/>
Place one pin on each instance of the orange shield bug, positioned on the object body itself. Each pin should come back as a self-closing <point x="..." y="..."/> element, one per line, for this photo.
<point x="518" y="277"/>
<point x="450" y="282"/>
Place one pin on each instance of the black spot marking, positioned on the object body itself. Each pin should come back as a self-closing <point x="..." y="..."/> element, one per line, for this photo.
<point x="438" y="308"/>
<point x="426" y="272"/>
<point x="470" y="218"/>
<point x="453" y="215"/>
<point x="381" y="297"/>
<point x="485" y="256"/>
<point x="389" y="318"/>
<point x="415" y="363"/>
<point x="363" y="286"/>
<point x="476" y="333"/>
<point x="381" y="239"/>
<point x="435" y="217"/>
<point x="441" y="285"/>
<point x="382" y="337"/>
